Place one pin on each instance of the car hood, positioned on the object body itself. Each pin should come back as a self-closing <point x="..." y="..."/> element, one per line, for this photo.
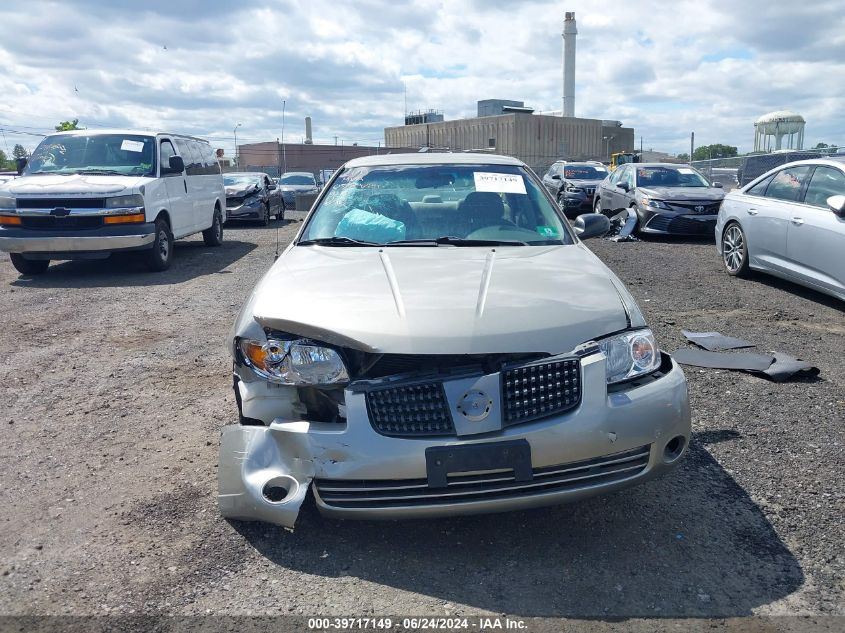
<point x="683" y="193"/>
<point x="588" y="181"/>
<point x="440" y="300"/>
<point x="74" y="184"/>
<point x="239" y="190"/>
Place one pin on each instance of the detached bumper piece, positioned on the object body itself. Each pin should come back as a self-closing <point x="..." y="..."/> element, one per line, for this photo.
<point x="378" y="494"/>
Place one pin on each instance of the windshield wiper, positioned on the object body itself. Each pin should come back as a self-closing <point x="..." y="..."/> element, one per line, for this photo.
<point x="456" y="241"/>
<point x="100" y="172"/>
<point x="336" y="241"/>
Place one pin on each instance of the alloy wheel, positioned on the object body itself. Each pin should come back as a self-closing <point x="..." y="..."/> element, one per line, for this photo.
<point x="733" y="248"/>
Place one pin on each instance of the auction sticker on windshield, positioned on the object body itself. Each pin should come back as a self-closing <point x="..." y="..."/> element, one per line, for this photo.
<point x="132" y="146"/>
<point x="498" y="183"/>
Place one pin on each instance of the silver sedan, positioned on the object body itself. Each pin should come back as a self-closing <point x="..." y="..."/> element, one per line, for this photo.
<point x="789" y="222"/>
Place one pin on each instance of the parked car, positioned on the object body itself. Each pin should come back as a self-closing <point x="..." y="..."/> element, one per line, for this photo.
<point x="666" y="198"/>
<point x="437" y="340"/>
<point x="790" y="222"/>
<point x="293" y="182"/>
<point x="88" y="193"/>
<point x="253" y="196"/>
<point x="573" y="185"/>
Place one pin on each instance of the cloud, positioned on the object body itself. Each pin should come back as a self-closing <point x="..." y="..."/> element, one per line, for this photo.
<point x="199" y="66"/>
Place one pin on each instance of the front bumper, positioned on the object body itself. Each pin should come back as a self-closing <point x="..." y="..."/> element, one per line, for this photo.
<point x="671" y="223"/>
<point x="287" y="456"/>
<point x="575" y="206"/>
<point x="103" y="240"/>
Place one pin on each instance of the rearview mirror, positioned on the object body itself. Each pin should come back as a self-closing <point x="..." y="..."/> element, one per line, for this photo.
<point x="717" y="184"/>
<point x="591" y="225"/>
<point x="271" y="187"/>
<point x="623" y="185"/>
<point x="20" y="163"/>
<point x="837" y="205"/>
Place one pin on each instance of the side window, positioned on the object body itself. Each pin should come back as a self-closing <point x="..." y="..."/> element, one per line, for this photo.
<point x="187" y="155"/>
<point x="826" y="182"/>
<point x="760" y="188"/>
<point x="614" y="178"/>
<point x="166" y="152"/>
<point x="786" y="185"/>
<point x="210" y="160"/>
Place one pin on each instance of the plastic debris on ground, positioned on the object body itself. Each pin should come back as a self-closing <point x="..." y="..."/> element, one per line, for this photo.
<point x="715" y="342"/>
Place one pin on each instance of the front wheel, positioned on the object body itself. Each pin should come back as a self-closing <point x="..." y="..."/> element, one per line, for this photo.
<point x="597" y="206"/>
<point x="265" y="218"/>
<point x="213" y="236"/>
<point x="735" y="251"/>
<point x="282" y="212"/>
<point x="29" y="266"/>
<point x="159" y="256"/>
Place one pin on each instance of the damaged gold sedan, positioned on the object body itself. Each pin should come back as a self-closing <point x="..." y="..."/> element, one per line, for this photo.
<point x="437" y="340"/>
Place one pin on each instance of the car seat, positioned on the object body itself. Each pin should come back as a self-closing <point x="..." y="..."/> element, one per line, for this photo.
<point x="481" y="209"/>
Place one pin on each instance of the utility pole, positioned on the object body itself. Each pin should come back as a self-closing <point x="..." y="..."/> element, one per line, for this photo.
<point x="237" y="155"/>
<point x="284" y="150"/>
<point x="691" y="145"/>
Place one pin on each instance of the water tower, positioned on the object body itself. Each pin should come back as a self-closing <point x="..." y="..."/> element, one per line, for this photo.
<point x="776" y="125"/>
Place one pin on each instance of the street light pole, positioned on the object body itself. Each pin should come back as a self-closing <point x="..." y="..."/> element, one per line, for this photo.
<point x="237" y="154"/>
<point x="284" y="150"/>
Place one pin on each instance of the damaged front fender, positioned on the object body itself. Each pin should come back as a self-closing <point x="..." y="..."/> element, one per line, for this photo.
<point x="262" y="478"/>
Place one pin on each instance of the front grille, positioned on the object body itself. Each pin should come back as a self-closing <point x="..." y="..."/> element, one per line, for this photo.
<point x="708" y="208"/>
<point x="410" y="410"/>
<point x="234" y="201"/>
<point x="60" y="203"/>
<point x="589" y="190"/>
<point x="68" y="222"/>
<point x="681" y="225"/>
<point x="539" y="390"/>
<point x="497" y="485"/>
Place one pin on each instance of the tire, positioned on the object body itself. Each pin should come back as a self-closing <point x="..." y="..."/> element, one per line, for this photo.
<point x="265" y="220"/>
<point x="597" y="205"/>
<point x="735" y="250"/>
<point x="29" y="266"/>
<point x="282" y="212"/>
<point x="159" y="256"/>
<point x="213" y="236"/>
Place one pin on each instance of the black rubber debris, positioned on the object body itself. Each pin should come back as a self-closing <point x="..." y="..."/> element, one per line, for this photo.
<point x="776" y="366"/>
<point x="715" y="342"/>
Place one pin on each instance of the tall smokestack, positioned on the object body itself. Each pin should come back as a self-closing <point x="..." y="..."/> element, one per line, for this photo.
<point x="308" y="140"/>
<point x="569" y="32"/>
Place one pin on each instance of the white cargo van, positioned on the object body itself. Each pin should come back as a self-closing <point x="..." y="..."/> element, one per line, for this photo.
<point x="88" y="193"/>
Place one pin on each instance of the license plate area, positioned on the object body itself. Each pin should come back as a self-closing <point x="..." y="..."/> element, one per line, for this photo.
<point x="512" y="455"/>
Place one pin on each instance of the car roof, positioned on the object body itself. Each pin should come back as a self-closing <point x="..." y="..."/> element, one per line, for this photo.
<point x="435" y="158"/>
<point x="672" y="165"/>
<point x="245" y="173"/>
<point x="127" y="131"/>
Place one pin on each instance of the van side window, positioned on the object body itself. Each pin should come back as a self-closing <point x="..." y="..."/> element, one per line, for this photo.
<point x="166" y="152"/>
<point x="209" y="159"/>
<point x="192" y="165"/>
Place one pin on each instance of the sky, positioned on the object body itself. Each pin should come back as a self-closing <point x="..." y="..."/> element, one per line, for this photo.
<point x="201" y="67"/>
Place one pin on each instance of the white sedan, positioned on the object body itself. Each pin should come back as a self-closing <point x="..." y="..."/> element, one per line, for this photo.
<point x="789" y="222"/>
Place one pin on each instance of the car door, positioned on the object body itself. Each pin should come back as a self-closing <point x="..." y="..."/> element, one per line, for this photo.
<point x="193" y="181"/>
<point x="619" y="196"/>
<point x="816" y="235"/>
<point x="550" y="182"/>
<point x="771" y="213"/>
<point x="181" y="209"/>
<point x="606" y="188"/>
<point x="273" y="194"/>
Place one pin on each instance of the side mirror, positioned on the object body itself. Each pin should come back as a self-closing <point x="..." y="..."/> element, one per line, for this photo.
<point x="624" y="186"/>
<point x="556" y="177"/>
<point x="717" y="184"/>
<point x="837" y="205"/>
<point x="176" y="165"/>
<point x="20" y="163"/>
<point x="271" y="187"/>
<point x="591" y="225"/>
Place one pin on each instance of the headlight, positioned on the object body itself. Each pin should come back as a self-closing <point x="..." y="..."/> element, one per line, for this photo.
<point x="572" y="189"/>
<point x="123" y="202"/>
<point x="655" y="204"/>
<point x="630" y="354"/>
<point x="7" y="203"/>
<point x="299" y="362"/>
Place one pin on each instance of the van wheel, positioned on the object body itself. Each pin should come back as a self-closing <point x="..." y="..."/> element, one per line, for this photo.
<point x="29" y="266"/>
<point x="265" y="219"/>
<point x="213" y="236"/>
<point x="159" y="256"/>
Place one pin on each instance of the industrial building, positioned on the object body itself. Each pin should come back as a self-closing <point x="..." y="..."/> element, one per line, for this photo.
<point x="538" y="140"/>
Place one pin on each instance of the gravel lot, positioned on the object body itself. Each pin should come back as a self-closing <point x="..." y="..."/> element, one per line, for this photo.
<point x="116" y="383"/>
